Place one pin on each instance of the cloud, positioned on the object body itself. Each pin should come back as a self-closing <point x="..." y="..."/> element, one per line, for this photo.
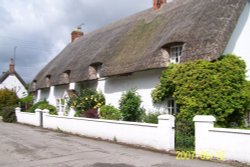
<point x="41" y="29"/>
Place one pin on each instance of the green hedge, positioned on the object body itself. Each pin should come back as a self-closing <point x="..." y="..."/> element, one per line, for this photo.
<point x="9" y="114"/>
<point x="110" y="112"/>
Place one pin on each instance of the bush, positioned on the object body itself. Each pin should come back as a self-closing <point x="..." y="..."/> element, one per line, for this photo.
<point x="110" y="112"/>
<point x="9" y="114"/>
<point x="91" y="113"/>
<point x="46" y="105"/>
<point x="35" y="106"/>
<point x="85" y="100"/>
<point x="26" y="102"/>
<point x="43" y="105"/>
<point x="151" y="118"/>
<point x="130" y="103"/>
<point x="7" y="98"/>
<point x="206" y="88"/>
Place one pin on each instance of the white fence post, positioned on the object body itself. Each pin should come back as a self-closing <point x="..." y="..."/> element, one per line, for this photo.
<point x="18" y="109"/>
<point x="203" y="123"/>
<point x="72" y="112"/>
<point x="38" y="114"/>
<point x="166" y="132"/>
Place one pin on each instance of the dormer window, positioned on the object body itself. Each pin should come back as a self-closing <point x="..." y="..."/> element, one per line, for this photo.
<point x="94" y="71"/>
<point x="175" y="54"/>
<point x="34" y="85"/>
<point x="47" y="80"/>
<point x="65" y="76"/>
<point x="172" y="52"/>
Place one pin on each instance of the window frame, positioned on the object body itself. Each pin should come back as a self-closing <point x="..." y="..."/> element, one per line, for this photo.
<point x="172" y="107"/>
<point x="175" y="56"/>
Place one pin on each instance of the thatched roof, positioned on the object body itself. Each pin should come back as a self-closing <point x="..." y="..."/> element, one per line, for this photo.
<point x="134" y="43"/>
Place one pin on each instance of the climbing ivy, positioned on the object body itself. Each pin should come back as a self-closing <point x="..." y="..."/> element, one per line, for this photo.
<point x="207" y="88"/>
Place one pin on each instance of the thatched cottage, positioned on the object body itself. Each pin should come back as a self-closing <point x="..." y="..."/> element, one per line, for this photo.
<point x="132" y="52"/>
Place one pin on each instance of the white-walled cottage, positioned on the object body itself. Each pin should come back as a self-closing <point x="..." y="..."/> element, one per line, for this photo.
<point x="132" y="52"/>
<point x="11" y="80"/>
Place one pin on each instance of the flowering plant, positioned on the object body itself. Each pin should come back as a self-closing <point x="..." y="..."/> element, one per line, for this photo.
<point x="86" y="99"/>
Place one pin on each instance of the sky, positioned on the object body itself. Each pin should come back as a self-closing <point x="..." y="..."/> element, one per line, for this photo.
<point x="35" y="31"/>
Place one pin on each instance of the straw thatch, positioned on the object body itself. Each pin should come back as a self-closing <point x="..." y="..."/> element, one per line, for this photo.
<point x="134" y="43"/>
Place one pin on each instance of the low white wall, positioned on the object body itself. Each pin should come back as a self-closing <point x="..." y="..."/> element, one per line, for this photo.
<point x="28" y="118"/>
<point x="159" y="136"/>
<point x="234" y="144"/>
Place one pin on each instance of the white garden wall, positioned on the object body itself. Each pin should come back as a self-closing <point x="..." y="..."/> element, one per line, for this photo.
<point x="233" y="143"/>
<point x="159" y="136"/>
<point x="28" y="118"/>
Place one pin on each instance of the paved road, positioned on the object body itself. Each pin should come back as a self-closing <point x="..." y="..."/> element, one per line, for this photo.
<point x="24" y="146"/>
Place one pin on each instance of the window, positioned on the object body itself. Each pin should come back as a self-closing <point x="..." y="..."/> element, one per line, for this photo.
<point x="94" y="70"/>
<point x="171" y="106"/>
<point x="47" y="80"/>
<point x="65" y="76"/>
<point x="34" y="85"/>
<point x="175" y="54"/>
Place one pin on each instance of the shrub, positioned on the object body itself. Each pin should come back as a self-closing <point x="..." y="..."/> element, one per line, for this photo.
<point x="110" y="112"/>
<point x="206" y="88"/>
<point x="85" y="100"/>
<point x="35" y="106"/>
<point x="26" y="102"/>
<point x="9" y="114"/>
<point x="46" y="105"/>
<point x="91" y="113"/>
<point x="7" y="98"/>
<point x="151" y="118"/>
<point x="130" y="103"/>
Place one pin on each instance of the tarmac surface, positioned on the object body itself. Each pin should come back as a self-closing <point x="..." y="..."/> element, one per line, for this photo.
<point x="26" y="146"/>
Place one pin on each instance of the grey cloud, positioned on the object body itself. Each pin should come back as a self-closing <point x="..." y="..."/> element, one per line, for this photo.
<point x="43" y="28"/>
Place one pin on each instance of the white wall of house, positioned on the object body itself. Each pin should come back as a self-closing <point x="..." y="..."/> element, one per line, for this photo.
<point x="239" y="42"/>
<point x="113" y="87"/>
<point x="144" y="82"/>
<point x="13" y="83"/>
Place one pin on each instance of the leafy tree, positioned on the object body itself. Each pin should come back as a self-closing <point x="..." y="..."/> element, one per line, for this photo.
<point x="130" y="103"/>
<point x="207" y="88"/>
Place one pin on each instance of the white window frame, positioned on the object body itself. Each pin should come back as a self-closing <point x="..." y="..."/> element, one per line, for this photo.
<point x="171" y="106"/>
<point x="175" y="54"/>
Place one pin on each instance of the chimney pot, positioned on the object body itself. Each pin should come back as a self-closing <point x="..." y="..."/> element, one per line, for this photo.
<point x="11" y="66"/>
<point x="76" y="34"/>
<point x="158" y="3"/>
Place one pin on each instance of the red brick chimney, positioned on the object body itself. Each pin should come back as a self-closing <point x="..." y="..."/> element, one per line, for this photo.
<point x="11" y="66"/>
<point x="159" y="3"/>
<point x="76" y="34"/>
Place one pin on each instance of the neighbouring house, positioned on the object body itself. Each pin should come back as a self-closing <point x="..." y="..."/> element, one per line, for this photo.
<point x="12" y="80"/>
<point x="132" y="52"/>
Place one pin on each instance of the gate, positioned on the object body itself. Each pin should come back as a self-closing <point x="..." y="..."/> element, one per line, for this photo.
<point x="184" y="135"/>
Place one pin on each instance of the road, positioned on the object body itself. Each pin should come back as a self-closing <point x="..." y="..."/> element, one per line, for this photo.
<point x="25" y="146"/>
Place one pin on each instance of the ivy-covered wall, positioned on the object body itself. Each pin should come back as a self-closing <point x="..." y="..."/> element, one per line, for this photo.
<point x="207" y="88"/>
